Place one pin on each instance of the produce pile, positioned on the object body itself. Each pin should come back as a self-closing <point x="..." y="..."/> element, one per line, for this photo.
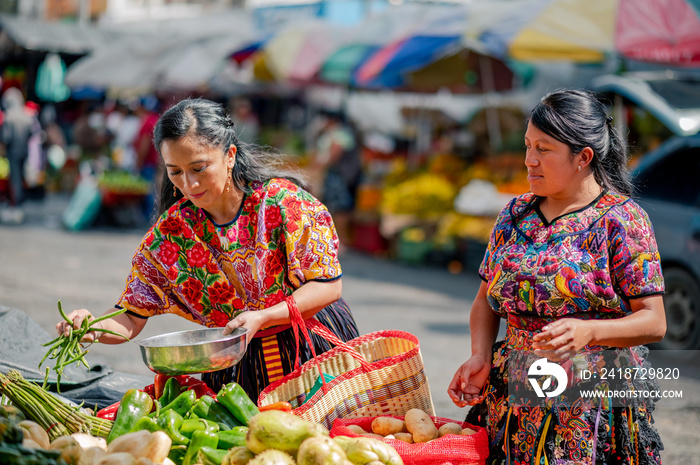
<point x="175" y="421"/>
<point x="417" y="426"/>
<point x="123" y="182"/>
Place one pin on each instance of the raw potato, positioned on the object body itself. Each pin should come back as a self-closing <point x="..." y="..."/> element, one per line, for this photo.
<point x="357" y="429"/>
<point x="32" y="430"/>
<point x="373" y="435"/>
<point x="467" y="432"/>
<point x="91" y="455"/>
<point x="405" y="437"/>
<point x="69" y="447"/>
<point x="420" y="425"/>
<point x="31" y="444"/>
<point x="154" y="446"/>
<point x="86" y="441"/>
<point x="117" y="458"/>
<point x="384" y="426"/>
<point x="449" y="428"/>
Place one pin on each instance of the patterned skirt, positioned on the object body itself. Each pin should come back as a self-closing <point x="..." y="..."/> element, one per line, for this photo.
<point x="569" y="432"/>
<point x="269" y="358"/>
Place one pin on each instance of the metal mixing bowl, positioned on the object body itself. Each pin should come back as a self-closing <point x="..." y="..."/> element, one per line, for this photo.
<point x="195" y="351"/>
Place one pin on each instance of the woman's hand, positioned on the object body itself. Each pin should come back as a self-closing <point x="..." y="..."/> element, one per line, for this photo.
<point x="562" y="338"/>
<point x="77" y="317"/>
<point x="468" y="381"/>
<point x="252" y="321"/>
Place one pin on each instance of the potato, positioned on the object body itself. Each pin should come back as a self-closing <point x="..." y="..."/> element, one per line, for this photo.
<point x="420" y="425"/>
<point x="373" y="435"/>
<point x="467" y="432"/>
<point x="405" y="437"/>
<point x="449" y="428"/>
<point x="117" y="458"/>
<point x="91" y="455"/>
<point x="357" y="429"/>
<point x="387" y="425"/>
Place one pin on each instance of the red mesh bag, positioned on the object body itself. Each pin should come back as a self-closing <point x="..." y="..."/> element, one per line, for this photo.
<point x="450" y="449"/>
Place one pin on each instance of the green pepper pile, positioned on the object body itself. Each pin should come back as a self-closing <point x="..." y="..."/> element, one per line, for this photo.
<point x="202" y="429"/>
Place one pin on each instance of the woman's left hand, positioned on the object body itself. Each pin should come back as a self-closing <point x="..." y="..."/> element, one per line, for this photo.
<point x="560" y="339"/>
<point x="252" y="321"/>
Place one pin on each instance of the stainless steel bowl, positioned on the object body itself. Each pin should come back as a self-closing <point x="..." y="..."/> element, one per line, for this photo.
<point x="195" y="351"/>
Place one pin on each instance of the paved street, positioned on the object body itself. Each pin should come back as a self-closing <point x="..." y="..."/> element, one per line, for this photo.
<point x="40" y="263"/>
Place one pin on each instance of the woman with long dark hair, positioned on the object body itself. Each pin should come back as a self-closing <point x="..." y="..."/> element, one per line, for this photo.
<point x="237" y="241"/>
<point x="573" y="268"/>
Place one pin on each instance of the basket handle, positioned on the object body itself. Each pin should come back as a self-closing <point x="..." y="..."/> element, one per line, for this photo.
<point x="299" y="322"/>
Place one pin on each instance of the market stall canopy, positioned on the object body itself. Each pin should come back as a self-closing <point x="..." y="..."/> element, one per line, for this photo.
<point x="297" y="52"/>
<point x="436" y="36"/>
<point x="176" y="54"/>
<point x="368" y="37"/>
<point x="465" y="71"/>
<point x="580" y="31"/>
<point x="56" y="37"/>
<point x="656" y="31"/>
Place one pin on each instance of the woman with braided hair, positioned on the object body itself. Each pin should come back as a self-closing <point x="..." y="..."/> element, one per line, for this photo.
<point x="573" y="268"/>
<point x="238" y="239"/>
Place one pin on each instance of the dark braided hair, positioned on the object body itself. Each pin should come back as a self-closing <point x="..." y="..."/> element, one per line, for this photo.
<point x="210" y="124"/>
<point x="579" y="119"/>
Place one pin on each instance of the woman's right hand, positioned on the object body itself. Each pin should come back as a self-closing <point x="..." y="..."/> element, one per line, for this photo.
<point x="468" y="381"/>
<point x="77" y="317"/>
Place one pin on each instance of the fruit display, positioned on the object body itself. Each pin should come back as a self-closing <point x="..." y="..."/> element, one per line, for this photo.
<point x="123" y="182"/>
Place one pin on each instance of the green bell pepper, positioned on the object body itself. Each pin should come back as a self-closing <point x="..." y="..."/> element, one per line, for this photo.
<point x="182" y="403"/>
<point x="134" y="405"/>
<point x="147" y="423"/>
<point x="208" y="408"/>
<point x="199" y="439"/>
<point x="233" y="438"/>
<point x="210" y="456"/>
<point x="236" y="400"/>
<point x="177" y="454"/>
<point x="171" y="391"/>
<point x="171" y="421"/>
<point x="190" y="425"/>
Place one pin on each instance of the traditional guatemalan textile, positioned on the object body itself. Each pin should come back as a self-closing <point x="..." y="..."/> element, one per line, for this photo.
<point x="281" y="238"/>
<point x="584" y="264"/>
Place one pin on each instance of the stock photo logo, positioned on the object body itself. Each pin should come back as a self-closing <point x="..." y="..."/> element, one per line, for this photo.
<point x="550" y="371"/>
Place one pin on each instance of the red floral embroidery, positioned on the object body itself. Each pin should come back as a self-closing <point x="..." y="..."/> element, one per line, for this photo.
<point x="273" y="267"/>
<point x="212" y="268"/>
<point x="269" y="281"/>
<point x="273" y="219"/>
<point x="173" y="273"/>
<point x="192" y="290"/>
<point x="220" y="293"/>
<point x="274" y="190"/>
<point x="168" y="252"/>
<point x="220" y="319"/>
<point x="149" y="240"/>
<point x="172" y="226"/>
<point x="198" y="255"/>
<point x="243" y="237"/>
<point x="238" y="304"/>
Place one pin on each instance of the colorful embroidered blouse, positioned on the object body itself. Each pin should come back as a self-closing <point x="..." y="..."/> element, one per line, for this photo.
<point x="584" y="264"/>
<point x="186" y="264"/>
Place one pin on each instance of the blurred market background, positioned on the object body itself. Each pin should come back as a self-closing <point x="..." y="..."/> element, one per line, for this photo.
<point x="432" y="94"/>
<point x="430" y="97"/>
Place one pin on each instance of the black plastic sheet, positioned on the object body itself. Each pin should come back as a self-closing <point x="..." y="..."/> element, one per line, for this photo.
<point x="21" y="349"/>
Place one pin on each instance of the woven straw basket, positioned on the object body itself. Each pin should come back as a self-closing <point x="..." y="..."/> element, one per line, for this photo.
<point x="380" y="373"/>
